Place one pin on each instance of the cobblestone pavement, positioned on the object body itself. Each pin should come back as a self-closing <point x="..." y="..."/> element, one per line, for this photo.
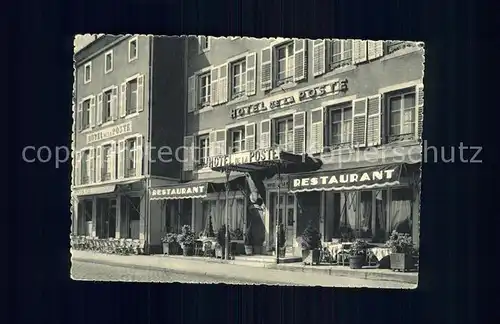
<point x="101" y="272"/>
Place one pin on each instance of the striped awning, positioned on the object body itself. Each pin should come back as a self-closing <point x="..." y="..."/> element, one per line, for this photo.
<point x="381" y="176"/>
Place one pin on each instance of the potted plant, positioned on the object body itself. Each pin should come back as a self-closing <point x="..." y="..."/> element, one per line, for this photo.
<point x="209" y="228"/>
<point x="310" y="242"/>
<point x="357" y="254"/>
<point x="186" y="240"/>
<point x="170" y="245"/>
<point x="281" y="241"/>
<point x="220" y="247"/>
<point x="402" y="251"/>
<point x="237" y="234"/>
<point x="248" y="241"/>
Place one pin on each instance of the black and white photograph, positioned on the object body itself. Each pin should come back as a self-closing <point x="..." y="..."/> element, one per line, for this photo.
<point x="254" y="161"/>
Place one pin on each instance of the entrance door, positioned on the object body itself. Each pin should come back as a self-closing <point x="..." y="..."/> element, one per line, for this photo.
<point x="286" y="215"/>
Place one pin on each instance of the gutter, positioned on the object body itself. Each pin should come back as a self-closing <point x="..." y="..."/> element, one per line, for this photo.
<point x="148" y="145"/>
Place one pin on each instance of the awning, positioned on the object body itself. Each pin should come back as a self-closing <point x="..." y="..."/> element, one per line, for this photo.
<point x="189" y="190"/>
<point x="97" y="190"/>
<point x="380" y="176"/>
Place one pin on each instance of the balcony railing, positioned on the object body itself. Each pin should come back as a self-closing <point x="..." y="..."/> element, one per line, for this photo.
<point x="106" y="176"/>
<point x="340" y="63"/>
<point x="400" y="137"/>
<point x="130" y="172"/>
<point x="280" y="82"/>
<point x="393" y="46"/>
<point x="85" y="179"/>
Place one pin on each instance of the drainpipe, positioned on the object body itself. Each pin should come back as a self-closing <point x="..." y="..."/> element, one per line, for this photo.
<point x="147" y="172"/>
<point x="184" y="128"/>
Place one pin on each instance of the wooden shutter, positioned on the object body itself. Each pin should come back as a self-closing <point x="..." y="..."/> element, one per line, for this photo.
<point x="212" y="143"/>
<point x="420" y="111"/>
<point x="112" y="161"/>
<point x="114" y="103"/>
<point x="98" y="164"/>
<point x="374" y="132"/>
<point x="266" y="69"/>
<point x="251" y="75"/>
<point x="319" y="57"/>
<point x="250" y="137"/>
<point x="121" y="159"/>
<point x="92" y="112"/>
<point x="265" y="134"/>
<point x="359" y="51"/>
<point x="191" y="93"/>
<point x="299" y="132"/>
<point x="223" y="86"/>
<point x="359" y="122"/>
<point x="140" y="93"/>
<point x="375" y="49"/>
<point x="221" y="141"/>
<point x="92" y="167"/>
<point x="123" y="99"/>
<point x="77" y="165"/>
<point x="79" y="116"/>
<point x="188" y="164"/>
<point x="139" y="156"/>
<point x="214" y="87"/>
<point x="317" y="131"/>
<point x="99" y="109"/>
<point x="300" y="57"/>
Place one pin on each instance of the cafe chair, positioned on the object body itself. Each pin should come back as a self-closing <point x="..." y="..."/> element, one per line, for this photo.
<point x="198" y="248"/>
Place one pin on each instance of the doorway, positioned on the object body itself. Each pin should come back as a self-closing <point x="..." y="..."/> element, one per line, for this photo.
<point x="284" y="212"/>
<point x="106" y="217"/>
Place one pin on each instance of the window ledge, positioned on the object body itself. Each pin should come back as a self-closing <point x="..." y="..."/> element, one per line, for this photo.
<point x="401" y="52"/>
<point x="111" y="122"/>
<point x="339" y="71"/>
<point x="107" y="72"/>
<point x="237" y="100"/>
<point x="133" y="115"/>
<point x="86" y="130"/>
<point x="86" y="82"/>
<point x="283" y="87"/>
<point x="132" y="59"/>
<point x="205" y="109"/>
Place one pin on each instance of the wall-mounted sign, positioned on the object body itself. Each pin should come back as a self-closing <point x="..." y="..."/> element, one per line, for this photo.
<point x="109" y="132"/>
<point x="184" y="191"/>
<point x="289" y="99"/>
<point x="94" y="190"/>
<point x="243" y="158"/>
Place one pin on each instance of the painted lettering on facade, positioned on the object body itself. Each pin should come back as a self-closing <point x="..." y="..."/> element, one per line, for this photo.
<point x="109" y="132"/>
<point x="178" y="192"/>
<point x="243" y="158"/>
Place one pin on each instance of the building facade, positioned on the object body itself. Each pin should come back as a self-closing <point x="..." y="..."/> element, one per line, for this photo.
<point x="128" y="104"/>
<point x="356" y="106"/>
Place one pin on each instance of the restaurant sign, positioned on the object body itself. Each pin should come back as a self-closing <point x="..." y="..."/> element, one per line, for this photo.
<point x="289" y="99"/>
<point x="184" y="191"/>
<point x="261" y="155"/>
<point x="355" y="179"/>
<point x="109" y="132"/>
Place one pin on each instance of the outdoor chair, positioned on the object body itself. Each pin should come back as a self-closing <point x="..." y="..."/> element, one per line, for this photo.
<point x="198" y="248"/>
<point x="208" y="248"/>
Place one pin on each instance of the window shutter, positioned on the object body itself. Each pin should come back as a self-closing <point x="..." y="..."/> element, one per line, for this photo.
<point x="92" y="112"/>
<point x="188" y="164"/>
<point x="250" y="137"/>
<point x="299" y="132"/>
<point x="300" y="56"/>
<point x="191" y="93"/>
<point x="139" y="156"/>
<point x="359" y="122"/>
<point x="121" y="159"/>
<point x="112" y="161"/>
<point x="92" y="166"/>
<point x="114" y="103"/>
<point x="223" y="86"/>
<point x="319" y="57"/>
<point x="214" y="87"/>
<point x="140" y="93"/>
<point x="359" y="51"/>
<point x="266" y="69"/>
<point x="221" y="141"/>
<point x="317" y="131"/>
<point x="77" y="163"/>
<point x="98" y="164"/>
<point x="265" y="134"/>
<point x="212" y="142"/>
<point x="420" y="111"/>
<point x="374" y="131"/>
<point x="123" y="99"/>
<point x="99" y="109"/>
<point x="79" y="116"/>
<point x="375" y="49"/>
<point x="251" y="74"/>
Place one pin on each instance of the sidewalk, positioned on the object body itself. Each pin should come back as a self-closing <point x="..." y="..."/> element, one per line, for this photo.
<point x="296" y="274"/>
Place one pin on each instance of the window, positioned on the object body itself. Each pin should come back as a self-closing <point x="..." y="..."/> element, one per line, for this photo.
<point x="86" y="114"/>
<point x="341" y="53"/>
<point x="341" y="126"/>
<point x="401" y="116"/>
<point x="238" y="140"/>
<point x="284" y="64"/>
<point x="204" y="89"/>
<point x="130" y="157"/>
<point x="132" y="49"/>
<point x="106" y="159"/>
<point x="131" y="96"/>
<point x="106" y="108"/>
<point x="238" y="77"/>
<point x="87" y="72"/>
<point x="284" y="133"/>
<point x="108" y="62"/>
<point x="202" y="151"/>
<point x="203" y="44"/>
<point x="85" y="167"/>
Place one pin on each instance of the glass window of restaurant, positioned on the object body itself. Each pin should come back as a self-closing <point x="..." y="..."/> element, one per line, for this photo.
<point x="216" y="209"/>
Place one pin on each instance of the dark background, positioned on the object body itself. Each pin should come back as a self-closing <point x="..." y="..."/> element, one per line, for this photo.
<point x="36" y="225"/>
